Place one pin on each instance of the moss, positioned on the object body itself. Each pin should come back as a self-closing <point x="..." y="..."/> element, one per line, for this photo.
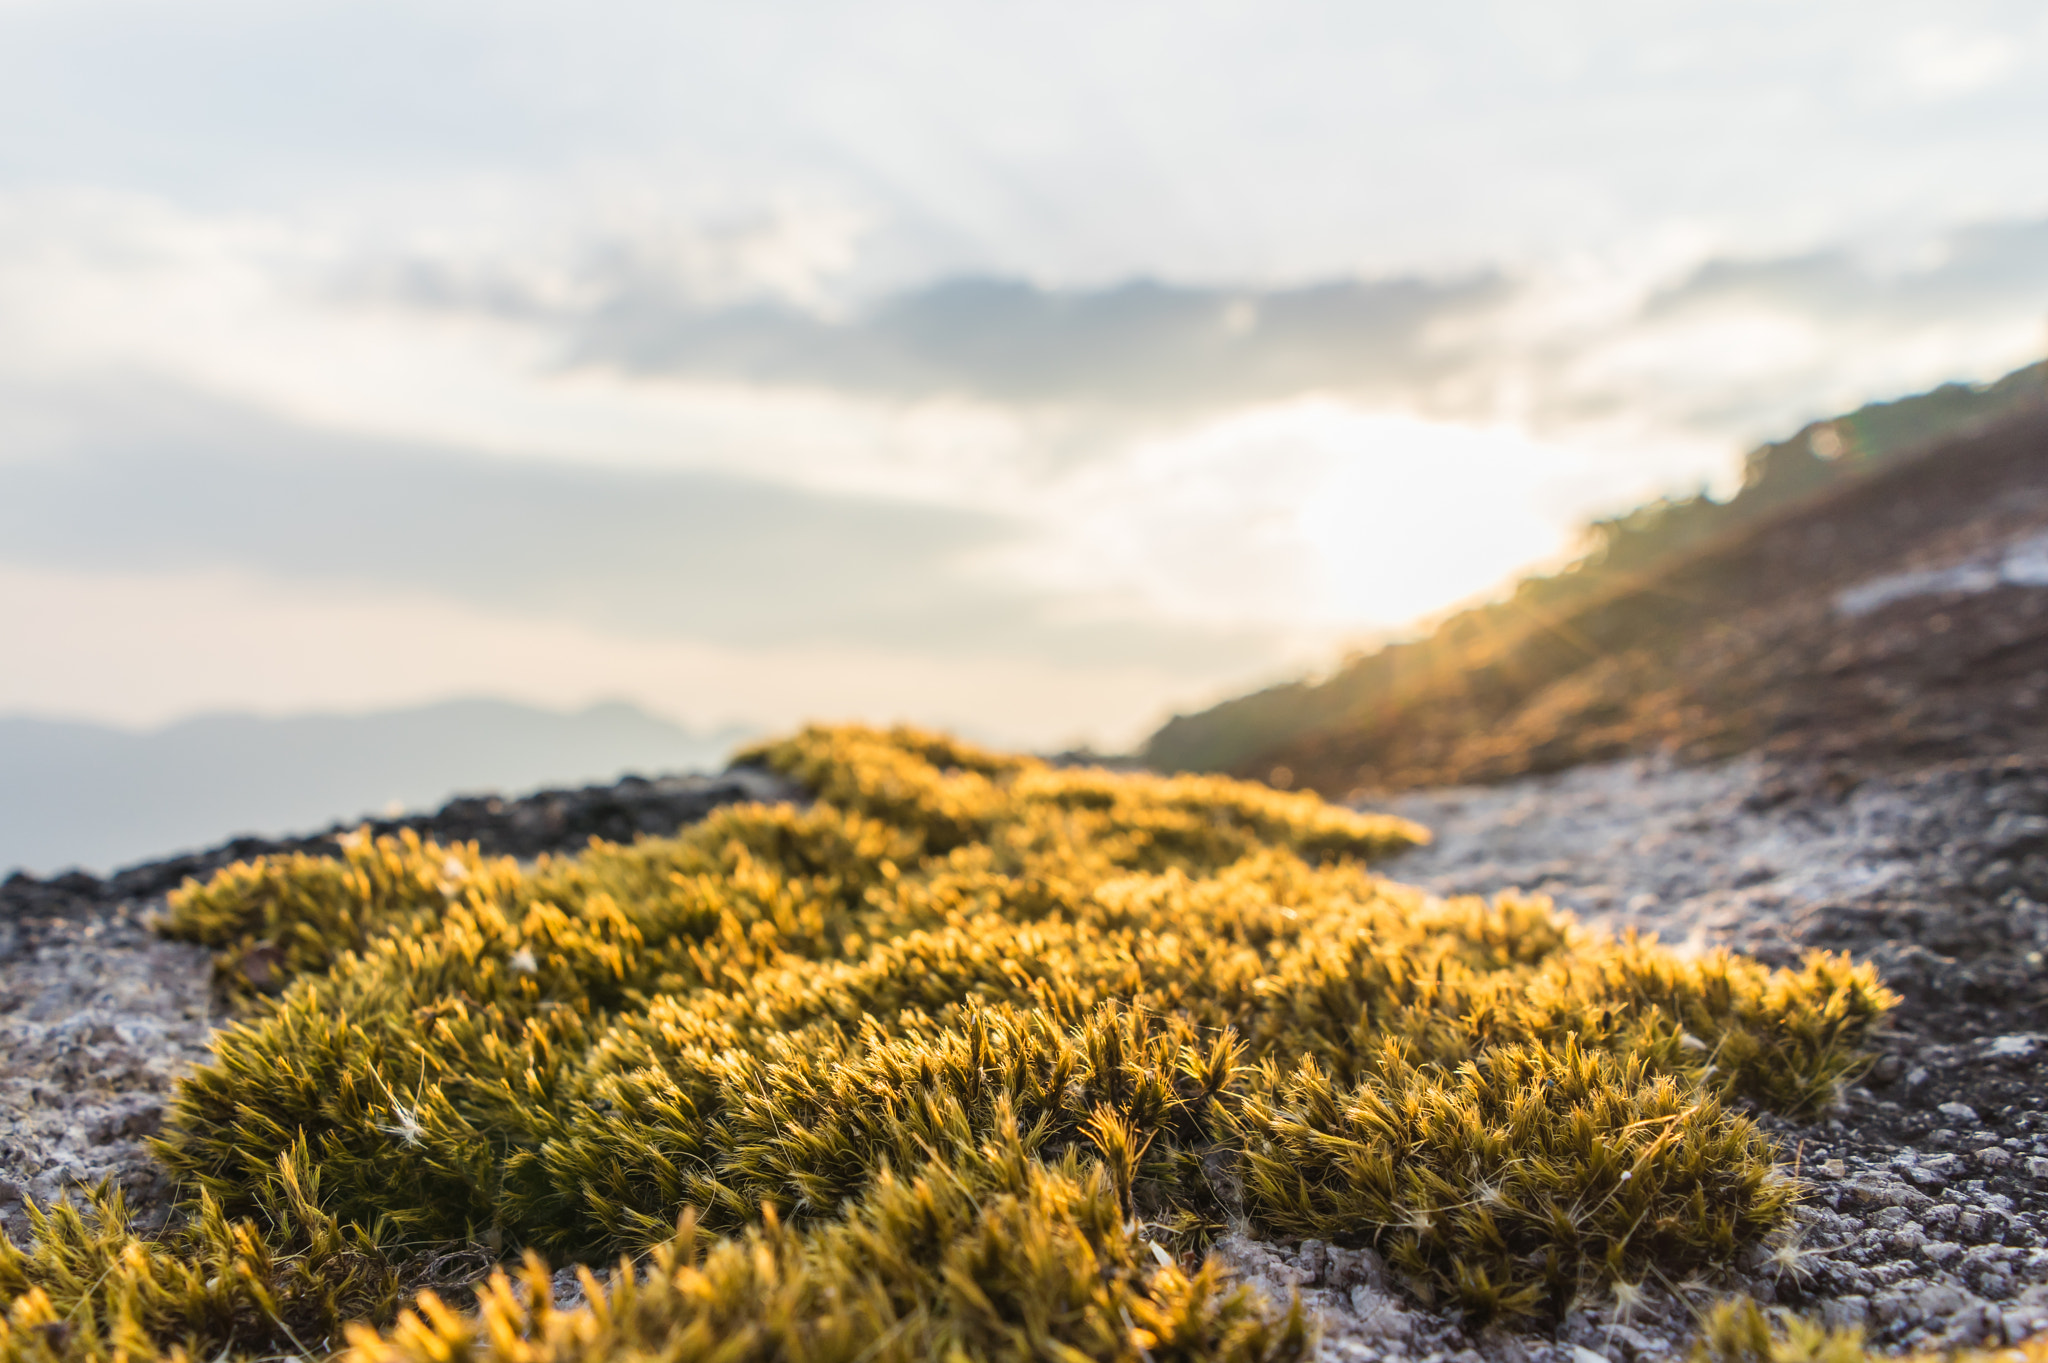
<point x="1504" y="1186"/>
<point x="285" y="1282"/>
<point x="992" y="1253"/>
<point x="971" y="1053"/>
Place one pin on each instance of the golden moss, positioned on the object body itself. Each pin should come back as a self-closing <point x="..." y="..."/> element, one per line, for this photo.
<point x="1505" y="1185"/>
<point x="980" y="1053"/>
<point x="90" y="1288"/>
<point x="993" y="1253"/>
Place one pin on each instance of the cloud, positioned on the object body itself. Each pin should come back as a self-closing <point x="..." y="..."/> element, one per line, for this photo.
<point x="1957" y="277"/>
<point x="1141" y="344"/>
<point x="1941" y="63"/>
<point x="1311" y="512"/>
<point x="1747" y="350"/>
<point x="1520" y="345"/>
<point x="199" y="486"/>
<point x="1205" y="483"/>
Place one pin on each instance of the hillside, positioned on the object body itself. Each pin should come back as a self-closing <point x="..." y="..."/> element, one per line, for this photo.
<point x="1702" y="627"/>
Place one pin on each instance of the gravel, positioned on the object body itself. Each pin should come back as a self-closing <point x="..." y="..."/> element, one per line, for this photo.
<point x="1938" y="875"/>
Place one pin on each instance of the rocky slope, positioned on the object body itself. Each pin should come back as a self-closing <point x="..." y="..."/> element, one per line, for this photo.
<point x="1890" y="616"/>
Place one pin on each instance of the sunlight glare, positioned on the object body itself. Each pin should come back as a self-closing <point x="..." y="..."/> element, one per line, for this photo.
<point x="1312" y="516"/>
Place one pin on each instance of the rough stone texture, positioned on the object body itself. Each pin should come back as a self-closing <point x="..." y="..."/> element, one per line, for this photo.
<point x="1938" y="875"/>
<point x="98" y="1017"/>
<point x="1362" y="1314"/>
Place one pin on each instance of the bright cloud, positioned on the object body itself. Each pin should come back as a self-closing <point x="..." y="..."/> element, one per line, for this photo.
<point x="1943" y="62"/>
<point x="1311" y="515"/>
<point x="1034" y="370"/>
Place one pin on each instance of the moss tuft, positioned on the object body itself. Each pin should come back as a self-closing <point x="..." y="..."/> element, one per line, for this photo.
<point x="1506" y="1185"/>
<point x="992" y="1254"/>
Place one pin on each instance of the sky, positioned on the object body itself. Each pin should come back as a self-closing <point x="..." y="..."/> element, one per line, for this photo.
<point x="1030" y="370"/>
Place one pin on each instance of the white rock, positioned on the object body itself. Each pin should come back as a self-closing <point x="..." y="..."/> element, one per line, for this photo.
<point x="1940" y="1301"/>
<point x="1635" y="1341"/>
<point x="1845" y="1313"/>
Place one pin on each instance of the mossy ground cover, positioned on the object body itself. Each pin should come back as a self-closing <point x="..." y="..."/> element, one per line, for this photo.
<point x="971" y="1057"/>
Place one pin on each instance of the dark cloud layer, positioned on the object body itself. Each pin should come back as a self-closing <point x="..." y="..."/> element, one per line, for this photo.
<point x="1963" y="276"/>
<point x="1140" y="344"/>
<point x="1148" y="350"/>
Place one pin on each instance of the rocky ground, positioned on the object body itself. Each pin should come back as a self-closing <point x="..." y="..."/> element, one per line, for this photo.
<point x="1899" y="618"/>
<point x="1926" y="1213"/>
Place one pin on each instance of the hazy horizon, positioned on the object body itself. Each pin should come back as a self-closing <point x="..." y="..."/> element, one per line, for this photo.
<point x="1030" y="373"/>
<point x="78" y="794"/>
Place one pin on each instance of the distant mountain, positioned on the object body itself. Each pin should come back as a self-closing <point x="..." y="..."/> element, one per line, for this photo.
<point x="1534" y="681"/>
<point x="96" y="797"/>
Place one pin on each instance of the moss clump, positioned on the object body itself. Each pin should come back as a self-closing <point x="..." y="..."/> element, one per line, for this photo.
<point x="291" y="915"/>
<point x="284" y="1283"/>
<point x="1497" y="1186"/>
<point x="881" y="1039"/>
<point x="991" y="1253"/>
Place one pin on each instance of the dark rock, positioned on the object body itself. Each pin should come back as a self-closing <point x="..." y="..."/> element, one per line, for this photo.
<point x="547" y="821"/>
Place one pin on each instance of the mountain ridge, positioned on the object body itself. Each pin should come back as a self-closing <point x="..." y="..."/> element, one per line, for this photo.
<point x="74" y="793"/>
<point x="1277" y="733"/>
